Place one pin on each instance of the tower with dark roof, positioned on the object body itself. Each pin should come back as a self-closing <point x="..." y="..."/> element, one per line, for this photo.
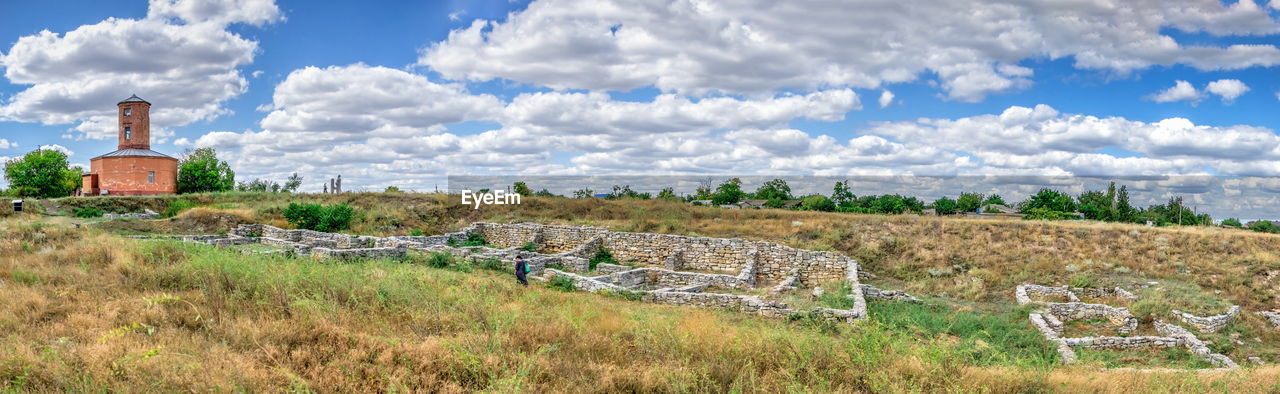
<point x="133" y="169"/>
<point x="135" y="123"/>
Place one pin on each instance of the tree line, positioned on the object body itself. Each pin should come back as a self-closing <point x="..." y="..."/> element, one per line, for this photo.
<point x="1108" y="205"/>
<point x="47" y="173"/>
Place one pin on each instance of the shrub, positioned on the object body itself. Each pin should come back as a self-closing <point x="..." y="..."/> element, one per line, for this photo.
<point x="562" y="283"/>
<point x="1081" y="280"/>
<point x="602" y="256"/>
<point x="493" y="264"/>
<point x="177" y="207"/>
<point x="817" y="202"/>
<point x="529" y="247"/>
<point x="1045" y="214"/>
<point x="473" y="239"/>
<point x="318" y="217"/>
<point x="417" y="233"/>
<point x="944" y="206"/>
<point x="1232" y="222"/>
<point x="87" y="212"/>
<point x="439" y="259"/>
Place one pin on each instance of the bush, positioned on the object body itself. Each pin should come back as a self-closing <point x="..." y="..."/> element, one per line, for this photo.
<point x="817" y="202"/>
<point x="439" y="259"/>
<point x="944" y="206"/>
<point x="318" y="217"/>
<point x="494" y="264"/>
<point x="473" y="239"/>
<point x="602" y="256"/>
<point x="417" y="233"/>
<point x="1232" y="222"/>
<point x="87" y="212"/>
<point x="562" y="283"/>
<point x="529" y="247"/>
<point x="1081" y="281"/>
<point x="177" y="207"/>
<point x="1045" y="214"/>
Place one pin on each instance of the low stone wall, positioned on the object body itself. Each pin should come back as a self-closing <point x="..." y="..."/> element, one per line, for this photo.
<point x="1103" y="292"/>
<point x="1068" y="311"/>
<point x="872" y="292"/>
<point x="358" y="253"/>
<point x="1138" y="342"/>
<point x="773" y="262"/>
<point x="1272" y="317"/>
<point x="1023" y="293"/>
<point x="1209" y="324"/>
<point x="731" y="302"/>
<point x="606" y="268"/>
<point x="1195" y="345"/>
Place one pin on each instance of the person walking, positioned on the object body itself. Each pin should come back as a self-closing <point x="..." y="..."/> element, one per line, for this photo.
<point x="521" y="270"/>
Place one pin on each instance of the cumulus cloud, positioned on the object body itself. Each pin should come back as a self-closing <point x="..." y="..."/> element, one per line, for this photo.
<point x="762" y="47"/>
<point x="6" y="144"/>
<point x="181" y="58"/>
<point x="1041" y="140"/>
<point x="59" y="148"/>
<point x="1228" y="89"/>
<point x="886" y="98"/>
<point x="1181" y="91"/>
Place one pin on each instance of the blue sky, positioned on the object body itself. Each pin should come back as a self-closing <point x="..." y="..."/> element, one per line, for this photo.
<point x="407" y="93"/>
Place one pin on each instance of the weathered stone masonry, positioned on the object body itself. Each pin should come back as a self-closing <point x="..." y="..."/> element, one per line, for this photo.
<point x="773" y="262"/>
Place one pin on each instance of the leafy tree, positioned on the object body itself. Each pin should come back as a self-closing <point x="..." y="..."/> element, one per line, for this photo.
<point x="583" y="193"/>
<point x="945" y="206"/>
<point x="1123" y="211"/>
<point x="668" y="194"/>
<point x="1050" y="200"/>
<point x="1264" y="226"/>
<point x="729" y="192"/>
<point x="521" y="188"/>
<point x="294" y="182"/>
<point x="817" y="202"/>
<point x="1096" y="205"/>
<point x="1046" y="214"/>
<point x="258" y="185"/>
<point x="969" y="202"/>
<point x="890" y="203"/>
<point x="1232" y="222"/>
<point x="545" y="193"/>
<point x="913" y="204"/>
<point x="201" y="171"/>
<point x="42" y="173"/>
<point x="841" y="195"/>
<point x="624" y="191"/>
<point x="994" y="199"/>
<point x="392" y="189"/>
<point x="776" y="189"/>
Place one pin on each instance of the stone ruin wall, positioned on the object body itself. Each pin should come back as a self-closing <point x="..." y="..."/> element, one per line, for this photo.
<point x="774" y="262"/>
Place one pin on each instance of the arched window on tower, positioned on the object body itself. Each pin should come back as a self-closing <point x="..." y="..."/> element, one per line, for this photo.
<point x="128" y="134"/>
<point x="128" y="111"/>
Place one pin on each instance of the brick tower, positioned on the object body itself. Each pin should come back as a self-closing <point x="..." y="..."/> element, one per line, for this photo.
<point x="133" y="169"/>
<point x="135" y="123"/>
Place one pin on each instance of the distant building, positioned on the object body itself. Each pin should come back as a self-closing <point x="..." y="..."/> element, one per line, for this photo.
<point x="133" y="169"/>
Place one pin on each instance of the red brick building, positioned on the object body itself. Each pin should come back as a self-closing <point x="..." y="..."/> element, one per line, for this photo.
<point x="133" y="169"/>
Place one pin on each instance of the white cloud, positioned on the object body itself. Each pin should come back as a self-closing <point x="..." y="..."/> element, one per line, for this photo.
<point x="187" y="70"/>
<point x="218" y="12"/>
<point x="886" y="98"/>
<point x="1181" y="91"/>
<point x="762" y="47"/>
<point x="59" y="148"/>
<point x="457" y="15"/>
<point x="6" y="144"/>
<point x="1228" y="89"/>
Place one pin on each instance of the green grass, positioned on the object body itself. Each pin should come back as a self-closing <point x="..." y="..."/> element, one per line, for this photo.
<point x="986" y="337"/>
<point x="1175" y="357"/>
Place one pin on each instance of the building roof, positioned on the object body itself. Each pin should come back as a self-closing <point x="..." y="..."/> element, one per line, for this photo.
<point x="134" y="153"/>
<point x="133" y="99"/>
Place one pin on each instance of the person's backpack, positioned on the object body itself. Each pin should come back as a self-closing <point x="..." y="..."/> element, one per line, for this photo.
<point x="526" y="268"/>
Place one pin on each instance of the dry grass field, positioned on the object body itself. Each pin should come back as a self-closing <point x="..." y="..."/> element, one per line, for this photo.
<point x="85" y="309"/>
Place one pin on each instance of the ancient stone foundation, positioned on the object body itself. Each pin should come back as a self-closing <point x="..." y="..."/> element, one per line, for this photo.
<point x="1049" y="321"/>
<point x="564" y="252"/>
